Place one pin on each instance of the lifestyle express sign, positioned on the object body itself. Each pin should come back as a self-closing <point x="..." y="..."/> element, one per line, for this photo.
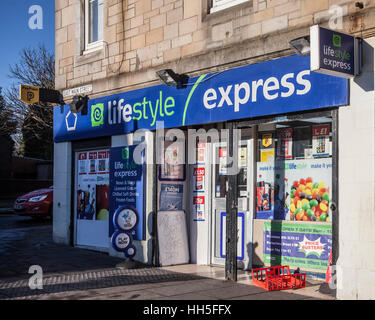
<point x="334" y="53"/>
<point x="268" y="88"/>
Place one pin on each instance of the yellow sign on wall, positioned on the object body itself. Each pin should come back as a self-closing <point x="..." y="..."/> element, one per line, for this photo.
<point x="29" y="94"/>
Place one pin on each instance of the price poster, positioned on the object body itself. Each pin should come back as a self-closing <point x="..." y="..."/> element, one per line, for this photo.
<point x="199" y="203"/>
<point x="222" y="161"/>
<point x="285" y="144"/>
<point x="320" y="143"/>
<point x="199" y="179"/>
<point x="201" y="153"/>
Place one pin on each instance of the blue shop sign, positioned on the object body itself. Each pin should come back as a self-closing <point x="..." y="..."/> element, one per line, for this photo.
<point x="269" y="88"/>
<point x="126" y="188"/>
<point x="334" y="53"/>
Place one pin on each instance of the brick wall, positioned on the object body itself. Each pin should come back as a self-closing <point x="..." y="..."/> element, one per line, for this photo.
<point x="152" y="34"/>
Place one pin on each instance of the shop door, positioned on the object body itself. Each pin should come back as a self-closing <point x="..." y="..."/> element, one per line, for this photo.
<point x="245" y="207"/>
<point x="92" y="199"/>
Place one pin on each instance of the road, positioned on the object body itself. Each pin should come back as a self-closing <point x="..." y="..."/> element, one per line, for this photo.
<point x="12" y="221"/>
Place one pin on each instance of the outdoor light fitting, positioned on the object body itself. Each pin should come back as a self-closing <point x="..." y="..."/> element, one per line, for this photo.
<point x="301" y="45"/>
<point x="172" y="79"/>
<point x="79" y="105"/>
<point x="359" y="5"/>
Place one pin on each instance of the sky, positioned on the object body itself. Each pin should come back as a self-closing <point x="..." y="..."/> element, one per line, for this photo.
<point x="16" y="33"/>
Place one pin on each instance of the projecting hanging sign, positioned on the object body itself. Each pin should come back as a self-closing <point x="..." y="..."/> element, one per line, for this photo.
<point x="334" y="53"/>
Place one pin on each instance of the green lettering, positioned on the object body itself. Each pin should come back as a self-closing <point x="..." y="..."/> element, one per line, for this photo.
<point x="161" y="104"/>
<point x="144" y="108"/>
<point x="154" y="114"/>
<point x="169" y="105"/>
<point x="137" y="111"/>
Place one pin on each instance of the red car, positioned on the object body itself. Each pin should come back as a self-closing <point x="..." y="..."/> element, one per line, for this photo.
<point x="35" y="204"/>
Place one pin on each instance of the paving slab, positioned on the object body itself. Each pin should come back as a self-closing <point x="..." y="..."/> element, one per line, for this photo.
<point x="75" y="274"/>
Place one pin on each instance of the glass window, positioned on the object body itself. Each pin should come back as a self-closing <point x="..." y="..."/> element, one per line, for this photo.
<point x="94" y="21"/>
<point x="294" y="170"/>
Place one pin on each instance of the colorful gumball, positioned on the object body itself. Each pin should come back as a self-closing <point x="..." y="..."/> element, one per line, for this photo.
<point x="309" y="213"/>
<point x="323" y="207"/>
<point x="306" y="206"/>
<point x="292" y="193"/>
<point x="292" y="208"/>
<point x="314" y="203"/>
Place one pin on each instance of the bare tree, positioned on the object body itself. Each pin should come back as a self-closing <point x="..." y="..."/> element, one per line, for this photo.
<point x="36" y="66"/>
<point x="7" y="126"/>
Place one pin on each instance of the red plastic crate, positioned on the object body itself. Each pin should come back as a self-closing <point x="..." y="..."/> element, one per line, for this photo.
<point x="278" y="278"/>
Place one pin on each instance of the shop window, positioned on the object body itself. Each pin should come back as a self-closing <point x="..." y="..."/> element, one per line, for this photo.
<point x="294" y="170"/>
<point x="218" y="5"/>
<point x="93" y="24"/>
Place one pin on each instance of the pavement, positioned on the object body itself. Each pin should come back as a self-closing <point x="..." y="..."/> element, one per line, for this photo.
<point x="78" y="274"/>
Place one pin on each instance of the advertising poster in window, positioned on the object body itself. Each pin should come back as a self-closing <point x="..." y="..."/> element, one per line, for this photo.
<point x="199" y="177"/>
<point x="222" y="161"/>
<point x="93" y="185"/>
<point x="201" y="153"/>
<point x="285" y="143"/>
<point x="171" y="197"/>
<point x="298" y="190"/>
<point x="199" y="208"/>
<point x="267" y="155"/>
<point x="173" y="167"/>
<point x="320" y="141"/>
<point x="298" y="245"/>
<point x="267" y="150"/>
<point x="127" y="186"/>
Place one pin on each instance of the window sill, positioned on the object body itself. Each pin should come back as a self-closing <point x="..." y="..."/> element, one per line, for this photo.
<point x="93" y="47"/>
<point x="227" y="5"/>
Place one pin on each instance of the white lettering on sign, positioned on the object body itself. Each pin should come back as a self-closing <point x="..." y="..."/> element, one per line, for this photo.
<point x="273" y="88"/>
<point x="79" y="90"/>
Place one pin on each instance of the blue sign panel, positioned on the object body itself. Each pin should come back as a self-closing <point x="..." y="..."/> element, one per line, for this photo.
<point x="337" y="51"/>
<point x="126" y="192"/>
<point x="269" y="88"/>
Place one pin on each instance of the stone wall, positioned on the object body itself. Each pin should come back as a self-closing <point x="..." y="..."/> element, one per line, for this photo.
<point x="141" y="36"/>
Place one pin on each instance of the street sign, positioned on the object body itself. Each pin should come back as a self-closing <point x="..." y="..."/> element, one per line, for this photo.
<point x="334" y="53"/>
<point x="77" y="91"/>
<point x="29" y="94"/>
<point x="33" y="94"/>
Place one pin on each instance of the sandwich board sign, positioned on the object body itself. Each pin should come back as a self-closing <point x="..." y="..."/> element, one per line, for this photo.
<point x="334" y="53"/>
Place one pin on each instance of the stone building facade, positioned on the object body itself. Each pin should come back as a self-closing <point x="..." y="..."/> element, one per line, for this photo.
<point x="196" y="37"/>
